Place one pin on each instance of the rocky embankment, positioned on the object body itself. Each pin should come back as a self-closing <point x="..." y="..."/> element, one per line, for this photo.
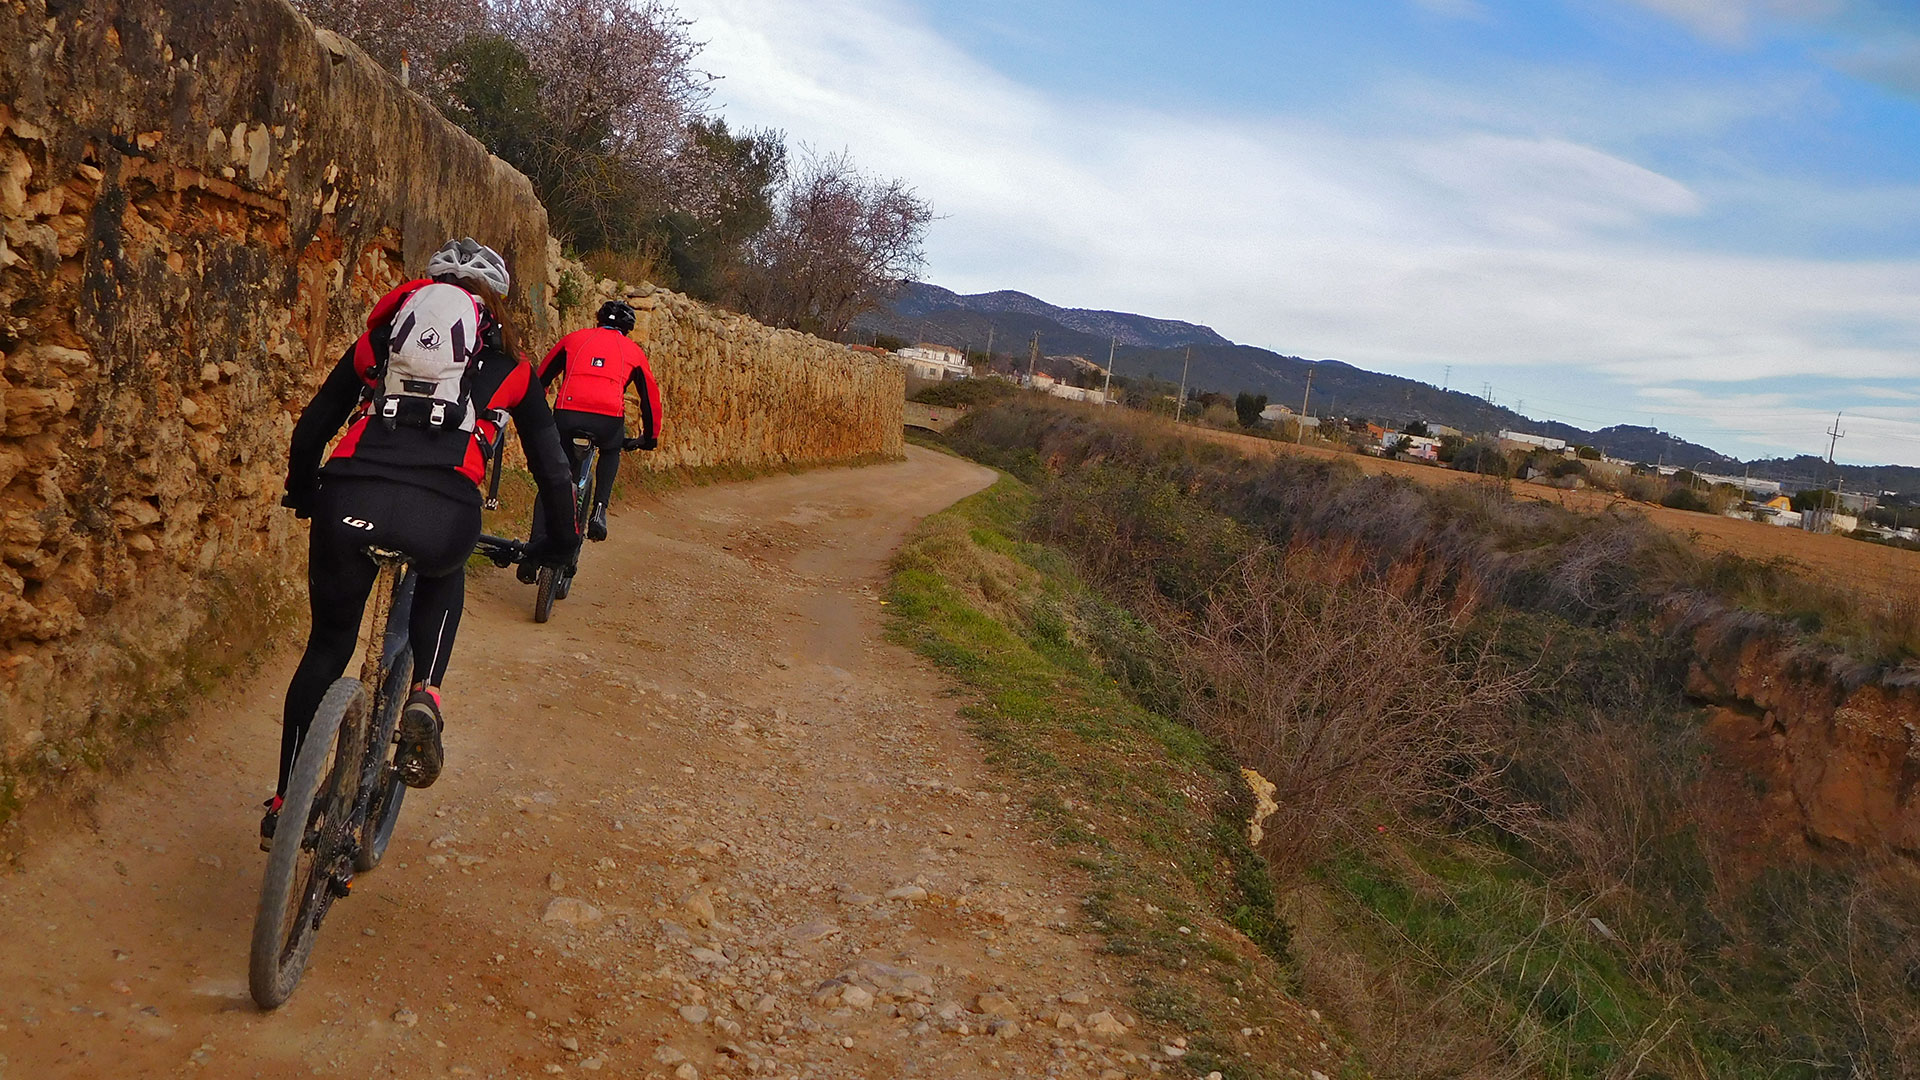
<point x="1836" y="735"/>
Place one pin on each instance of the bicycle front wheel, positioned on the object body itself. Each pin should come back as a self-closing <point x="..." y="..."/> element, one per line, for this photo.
<point x="311" y="847"/>
<point x="543" y="596"/>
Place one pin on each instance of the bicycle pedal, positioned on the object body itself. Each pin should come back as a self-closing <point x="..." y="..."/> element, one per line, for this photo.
<point x="340" y="885"/>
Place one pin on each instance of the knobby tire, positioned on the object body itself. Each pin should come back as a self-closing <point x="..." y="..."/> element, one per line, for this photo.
<point x="294" y="895"/>
<point x="543" y="594"/>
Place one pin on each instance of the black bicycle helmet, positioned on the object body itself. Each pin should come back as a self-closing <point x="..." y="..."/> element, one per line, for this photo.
<point x="616" y="315"/>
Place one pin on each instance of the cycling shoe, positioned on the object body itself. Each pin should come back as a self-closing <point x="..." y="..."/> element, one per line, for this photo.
<point x="267" y="823"/>
<point x="421" y="755"/>
<point x="597" y="522"/>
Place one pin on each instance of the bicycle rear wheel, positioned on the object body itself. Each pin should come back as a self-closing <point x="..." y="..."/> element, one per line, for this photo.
<point x="309" y="848"/>
<point x="383" y="813"/>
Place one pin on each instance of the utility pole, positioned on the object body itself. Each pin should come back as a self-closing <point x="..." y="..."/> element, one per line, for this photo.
<point x="989" y="346"/>
<point x="1033" y="356"/>
<point x="1300" y="429"/>
<point x="1447" y="379"/>
<point x="1834" y="435"/>
<point x="1106" y="385"/>
<point x="1180" y="403"/>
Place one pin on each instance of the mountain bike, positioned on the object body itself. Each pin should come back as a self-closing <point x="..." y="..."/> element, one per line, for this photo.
<point x="344" y="787"/>
<point x="343" y="798"/>
<point x="554" y="583"/>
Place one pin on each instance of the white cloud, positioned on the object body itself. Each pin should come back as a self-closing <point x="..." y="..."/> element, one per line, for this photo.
<point x="1466" y="244"/>
<point x="1731" y="22"/>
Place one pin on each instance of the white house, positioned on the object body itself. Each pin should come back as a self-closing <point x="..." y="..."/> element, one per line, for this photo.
<point x="1418" y="446"/>
<point x="1541" y="441"/>
<point x="949" y="362"/>
<point x="1274" y="413"/>
<point x="1766" y="489"/>
<point x="1076" y="393"/>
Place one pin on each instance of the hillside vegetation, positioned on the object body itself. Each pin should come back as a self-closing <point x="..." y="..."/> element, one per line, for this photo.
<point x="1503" y="848"/>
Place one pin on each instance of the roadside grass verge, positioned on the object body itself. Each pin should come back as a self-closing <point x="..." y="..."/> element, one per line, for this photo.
<point x="1150" y="811"/>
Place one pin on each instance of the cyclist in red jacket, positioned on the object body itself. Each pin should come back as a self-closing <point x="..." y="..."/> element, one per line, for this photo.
<point x="594" y="366"/>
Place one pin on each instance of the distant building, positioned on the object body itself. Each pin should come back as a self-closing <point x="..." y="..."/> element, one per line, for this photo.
<point x="1415" y="446"/>
<point x="938" y="361"/>
<point x="1826" y="521"/>
<point x="1274" y="413"/>
<point x="1859" y="504"/>
<point x="1441" y="431"/>
<point x="1765" y="489"/>
<point x="1538" y="441"/>
<point x="1076" y="393"/>
<point x="1040" y="380"/>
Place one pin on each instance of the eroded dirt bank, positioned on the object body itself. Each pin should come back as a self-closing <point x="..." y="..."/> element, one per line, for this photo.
<point x="711" y="749"/>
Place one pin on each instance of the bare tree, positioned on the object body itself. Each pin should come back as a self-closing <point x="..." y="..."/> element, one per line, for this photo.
<point x="839" y="240"/>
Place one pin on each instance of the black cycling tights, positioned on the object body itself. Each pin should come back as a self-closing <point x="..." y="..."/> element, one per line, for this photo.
<point x="351" y="514"/>
<point x="606" y="432"/>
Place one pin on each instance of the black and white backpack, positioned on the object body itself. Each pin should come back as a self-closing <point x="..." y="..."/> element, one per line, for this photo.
<point x="426" y="379"/>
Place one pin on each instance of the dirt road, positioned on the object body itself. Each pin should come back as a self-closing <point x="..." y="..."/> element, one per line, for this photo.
<point x="706" y="788"/>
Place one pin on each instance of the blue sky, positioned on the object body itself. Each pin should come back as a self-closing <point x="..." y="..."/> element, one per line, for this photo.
<point x="1699" y="213"/>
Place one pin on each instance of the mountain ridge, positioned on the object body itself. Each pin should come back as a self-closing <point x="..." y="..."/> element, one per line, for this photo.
<point x="1159" y="348"/>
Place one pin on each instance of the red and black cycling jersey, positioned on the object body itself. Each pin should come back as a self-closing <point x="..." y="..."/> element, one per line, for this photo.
<point x="447" y="459"/>
<point x="594" y="366"/>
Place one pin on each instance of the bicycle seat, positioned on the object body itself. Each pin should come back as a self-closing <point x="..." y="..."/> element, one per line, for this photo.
<point x="386" y="555"/>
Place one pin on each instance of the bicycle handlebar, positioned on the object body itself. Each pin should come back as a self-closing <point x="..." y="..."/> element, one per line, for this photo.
<point x="502" y="551"/>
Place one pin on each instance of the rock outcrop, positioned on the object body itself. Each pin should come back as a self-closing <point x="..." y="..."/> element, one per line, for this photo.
<point x="1837" y="734"/>
<point x="199" y="200"/>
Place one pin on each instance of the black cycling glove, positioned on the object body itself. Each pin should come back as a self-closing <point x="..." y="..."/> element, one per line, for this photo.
<point x="300" y="502"/>
<point x="644" y="442"/>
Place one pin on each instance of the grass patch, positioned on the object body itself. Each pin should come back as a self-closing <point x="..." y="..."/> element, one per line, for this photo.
<point x="1150" y="811"/>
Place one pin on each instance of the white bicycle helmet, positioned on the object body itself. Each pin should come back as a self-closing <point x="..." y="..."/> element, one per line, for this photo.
<point x="469" y="261"/>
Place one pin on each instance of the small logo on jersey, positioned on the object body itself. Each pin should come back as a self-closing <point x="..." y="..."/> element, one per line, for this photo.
<point x="430" y="338"/>
<point x="357" y="523"/>
<point x="599" y="362"/>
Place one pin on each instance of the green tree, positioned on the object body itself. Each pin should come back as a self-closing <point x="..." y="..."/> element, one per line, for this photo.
<point x="1247" y="407"/>
<point x="708" y="251"/>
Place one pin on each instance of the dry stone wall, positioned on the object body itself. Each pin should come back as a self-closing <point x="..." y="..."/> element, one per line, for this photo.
<point x="199" y="200"/>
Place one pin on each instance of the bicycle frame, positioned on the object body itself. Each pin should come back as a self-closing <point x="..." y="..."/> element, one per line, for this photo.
<point x="392" y="600"/>
<point x="392" y="605"/>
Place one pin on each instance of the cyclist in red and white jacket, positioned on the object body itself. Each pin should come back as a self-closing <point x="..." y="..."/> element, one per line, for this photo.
<point x="406" y="476"/>
<point x="594" y="366"/>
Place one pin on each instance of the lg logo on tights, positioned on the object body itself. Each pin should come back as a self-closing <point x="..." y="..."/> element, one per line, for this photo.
<point x="357" y="523"/>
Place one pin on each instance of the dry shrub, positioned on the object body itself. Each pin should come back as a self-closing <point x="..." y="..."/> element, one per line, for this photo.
<point x="1351" y="692"/>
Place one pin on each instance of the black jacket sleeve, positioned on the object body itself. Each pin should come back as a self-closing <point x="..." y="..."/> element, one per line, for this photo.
<point x="332" y="404"/>
<point x="546" y="460"/>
